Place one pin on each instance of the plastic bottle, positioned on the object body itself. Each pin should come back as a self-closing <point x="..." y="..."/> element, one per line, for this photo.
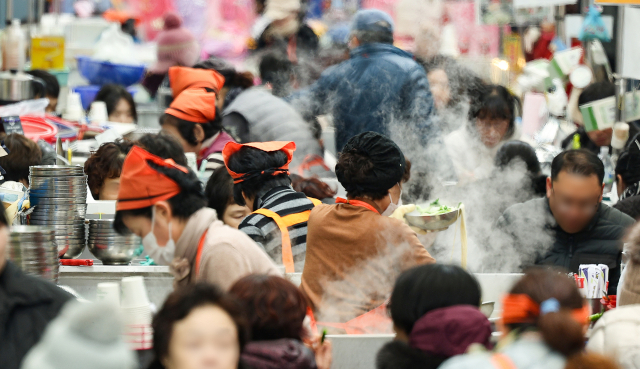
<point x="13" y="47"/>
<point x="609" y="170"/>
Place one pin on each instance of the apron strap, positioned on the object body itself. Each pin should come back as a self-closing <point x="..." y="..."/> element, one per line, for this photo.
<point x="199" y="253"/>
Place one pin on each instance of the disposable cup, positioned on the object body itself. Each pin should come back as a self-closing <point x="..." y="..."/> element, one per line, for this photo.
<point x="98" y="112"/>
<point x="134" y="293"/>
<point x="108" y="292"/>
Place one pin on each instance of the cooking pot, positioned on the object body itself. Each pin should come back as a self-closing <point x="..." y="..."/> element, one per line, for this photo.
<point x="17" y="86"/>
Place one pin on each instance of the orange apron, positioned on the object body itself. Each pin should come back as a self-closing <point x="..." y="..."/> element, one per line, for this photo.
<point x="199" y="253"/>
<point x="376" y="321"/>
<point x="284" y="223"/>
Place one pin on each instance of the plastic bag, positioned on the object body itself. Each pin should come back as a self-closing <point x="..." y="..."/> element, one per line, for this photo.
<point x="115" y="46"/>
<point x="593" y="27"/>
<point x="28" y="107"/>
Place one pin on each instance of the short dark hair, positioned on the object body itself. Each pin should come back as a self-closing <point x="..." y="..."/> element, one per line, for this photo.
<point x="312" y="187"/>
<point x="186" y="128"/>
<point x="582" y="162"/>
<point x="51" y="84"/>
<point x="373" y="37"/>
<point x="249" y="159"/>
<point x="276" y="69"/>
<point x="357" y="168"/>
<point x="513" y="150"/>
<point x="232" y="78"/>
<point x="428" y="287"/>
<point x="219" y="191"/>
<point x="180" y="303"/>
<point x="492" y="102"/>
<point x="111" y="94"/>
<point x="596" y="91"/>
<point x="628" y="165"/>
<point x="105" y="163"/>
<point x="183" y="205"/>
<point x="275" y="307"/>
<point x="23" y="154"/>
<point x="163" y="145"/>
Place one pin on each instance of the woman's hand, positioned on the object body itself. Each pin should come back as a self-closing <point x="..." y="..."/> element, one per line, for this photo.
<point x="404" y="210"/>
<point x="324" y="354"/>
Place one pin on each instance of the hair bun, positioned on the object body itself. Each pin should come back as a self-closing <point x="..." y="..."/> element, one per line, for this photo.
<point x="172" y="21"/>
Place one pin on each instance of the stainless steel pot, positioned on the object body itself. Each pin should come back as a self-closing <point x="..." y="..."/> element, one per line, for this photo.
<point x="17" y="86"/>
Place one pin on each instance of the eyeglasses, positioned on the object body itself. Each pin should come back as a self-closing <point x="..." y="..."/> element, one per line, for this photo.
<point x="586" y="207"/>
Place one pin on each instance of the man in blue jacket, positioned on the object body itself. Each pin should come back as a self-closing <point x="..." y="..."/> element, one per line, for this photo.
<point x="380" y="88"/>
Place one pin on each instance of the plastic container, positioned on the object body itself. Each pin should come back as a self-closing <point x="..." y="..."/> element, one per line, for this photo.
<point x="14" y="47"/>
<point x="36" y="128"/>
<point x="88" y="94"/>
<point x="103" y="72"/>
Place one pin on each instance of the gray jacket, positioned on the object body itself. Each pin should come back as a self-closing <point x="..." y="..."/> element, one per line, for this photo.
<point x="258" y="116"/>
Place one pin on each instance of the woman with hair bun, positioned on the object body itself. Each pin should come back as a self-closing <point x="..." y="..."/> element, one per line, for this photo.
<point x="544" y="320"/>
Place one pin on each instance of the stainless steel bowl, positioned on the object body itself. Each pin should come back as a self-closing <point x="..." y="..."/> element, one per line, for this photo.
<point x="39" y="182"/>
<point x="34" y="249"/>
<point x="58" y="170"/>
<point x="108" y="246"/>
<point x="432" y="223"/>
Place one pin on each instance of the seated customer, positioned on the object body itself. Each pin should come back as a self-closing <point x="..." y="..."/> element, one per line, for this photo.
<point x="571" y="226"/>
<point x="424" y="310"/>
<point x="219" y="193"/>
<point x="23" y="154"/>
<point x="276" y="310"/>
<point x="27" y="305"/>
<point x="164" y="203"/>
<point x="120" y="105"/>
<point x="261" y="181"/>
<point x="628" y="180"/>
<point x="51" y="88"/>
<point x="103" y="169"/>
<point x="354" y="254"/>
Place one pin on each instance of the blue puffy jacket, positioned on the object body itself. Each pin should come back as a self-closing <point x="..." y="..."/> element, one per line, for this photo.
<point x="380" y="88"/>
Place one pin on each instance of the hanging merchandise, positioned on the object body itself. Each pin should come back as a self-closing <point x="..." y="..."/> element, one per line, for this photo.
<point x="449" y="41"/>
<point x="14" y="47"/>
<point x="600" y="114"/>
<point x="150" y="13"/>
<point x="512" y="49"/>
<point x="564" y="62"/>
<point x="593" y="27"/>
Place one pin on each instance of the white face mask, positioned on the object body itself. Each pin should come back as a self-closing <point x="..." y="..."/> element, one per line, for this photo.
<point x="162" y="255"/>
<point x="392" y="207"/>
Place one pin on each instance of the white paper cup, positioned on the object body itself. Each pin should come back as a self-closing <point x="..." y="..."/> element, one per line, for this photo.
<point x="134" y="293"/>
<point x="98" y="112"/>
<point x="109" y="293"/>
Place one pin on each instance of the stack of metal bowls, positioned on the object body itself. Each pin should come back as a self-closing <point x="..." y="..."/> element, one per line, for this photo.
<point x="35" y="251"/>
<point x="59" y="194"/>
<point x="108" y="246"/>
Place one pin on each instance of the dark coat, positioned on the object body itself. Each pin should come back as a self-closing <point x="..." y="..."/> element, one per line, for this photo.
<point x="278" y="354"/>
<point x="532" y="229"/>
<point x="27" y="305"/>
<point x="379" y="86"/>
<point x="398" y="354"/>
<point x="630" y="206"/>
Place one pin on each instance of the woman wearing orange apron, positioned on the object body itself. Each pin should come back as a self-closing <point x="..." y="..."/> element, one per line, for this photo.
<point x="260" y="173"/>
<point x="354" y="253"/>
<point x="164" y="203"/>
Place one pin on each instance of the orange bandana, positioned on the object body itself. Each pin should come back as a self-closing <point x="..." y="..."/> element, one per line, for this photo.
<point x="194" y="105"/>
<point x="522" y="309"/>
<point x="232" y="147"/>
<point x="141" y="186"/>
<point x="182" y="78"/>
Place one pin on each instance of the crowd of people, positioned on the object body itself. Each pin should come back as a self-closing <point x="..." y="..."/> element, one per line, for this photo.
<point x="268" y="208"/>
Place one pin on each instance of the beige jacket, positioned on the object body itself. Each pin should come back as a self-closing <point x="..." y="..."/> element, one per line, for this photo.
<point x="227" y="254"/>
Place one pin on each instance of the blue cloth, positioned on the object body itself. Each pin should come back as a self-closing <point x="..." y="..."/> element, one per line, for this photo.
<point x="380" y="88"/>
<point x="372" y="20"/>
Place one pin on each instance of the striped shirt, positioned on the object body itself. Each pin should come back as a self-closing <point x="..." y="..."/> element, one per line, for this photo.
<point x="265" y="232"/>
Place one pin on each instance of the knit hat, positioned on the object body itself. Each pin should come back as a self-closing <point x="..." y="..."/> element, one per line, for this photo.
<point x="84" y="335"/>
<point x="630" y="290"/>
<point x="373" y="20"/>
<point x="176" y="45"/>
<point x="280" y="9"/>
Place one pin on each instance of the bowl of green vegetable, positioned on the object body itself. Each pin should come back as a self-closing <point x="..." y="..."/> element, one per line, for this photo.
<point x="433" y="217"/>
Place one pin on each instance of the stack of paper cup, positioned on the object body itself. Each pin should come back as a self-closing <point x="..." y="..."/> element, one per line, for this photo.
<point x="136" y="311"/>
<point x="108" y="293"/>
<point x="74" y="111"/>
<point x="98" y="112"/>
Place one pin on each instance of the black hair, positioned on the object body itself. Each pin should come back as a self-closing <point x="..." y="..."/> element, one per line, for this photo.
<point x="276" y="69"/>
<point x="374" y="37"/>
<point x="518" y="150"/>
<point x="437" y="62"/>
<point x="181" y="302"/>
<point x="219" y="191"/>
<point x="187" y="128"/>
<point x="358" y="168"/>
<point x="111" y="94"/>
<point x="232" y="78"/>
<point x="51" y="84"/>
<point x="163" y="145"/>
<point x="582" y="162"/>
<point x="250" y="160"/>
<point x="4" y="222"/>
<point x="596" y="91"/>
<point x="492" y="102"/>
<point x="23" y="153"/>
<point x="183" y="205"/>
<point x="428" y="287"/>
<point x="628" y="165"/>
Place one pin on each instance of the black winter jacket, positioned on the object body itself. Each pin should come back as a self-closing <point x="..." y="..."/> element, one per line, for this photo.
<point x="532" y="230"/>
<point x="396" y="354"/>
<point x="27" y="305"/>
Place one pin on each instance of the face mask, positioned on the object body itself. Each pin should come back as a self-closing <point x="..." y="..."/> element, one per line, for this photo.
<point x="162" y="255"/>
<point x="392" y="207"/>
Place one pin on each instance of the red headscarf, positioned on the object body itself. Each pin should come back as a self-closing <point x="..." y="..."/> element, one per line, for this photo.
<point x="182" y="78"/>
<point x="194" y="105"/>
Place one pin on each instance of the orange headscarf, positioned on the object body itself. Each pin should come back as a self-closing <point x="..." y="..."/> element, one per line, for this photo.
<point x="194" y="105"/>
<point x="522" y="309"/>
<point x="232" y="147"/>
<point x="142" y="186"/>
<point x="182" y="78"/>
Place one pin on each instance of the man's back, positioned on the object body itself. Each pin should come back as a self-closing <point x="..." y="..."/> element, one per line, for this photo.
<point x="380" y="88"/>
